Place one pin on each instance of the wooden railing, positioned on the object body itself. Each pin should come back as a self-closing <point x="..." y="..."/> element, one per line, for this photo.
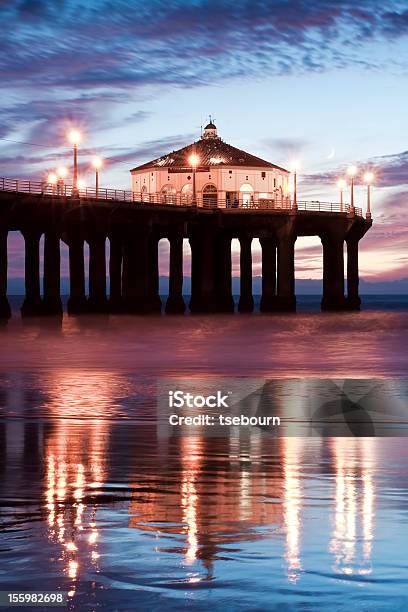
<point x="253" y="201"/>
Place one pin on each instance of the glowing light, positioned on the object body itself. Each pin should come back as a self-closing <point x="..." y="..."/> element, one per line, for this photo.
<point x="292" y="508"/>
<point x="352" y="170"/>
<point x="52" y="179"/>
<point x="71" y="546"/>
<point x="75" y="137"/>
<point x="97" y="163"/>
<point x="341" y="183"/>
<point x="194" y="159"/>
<point x="189" y="495"/>
<point x="369" y="178"/>
<point x="73" y="569"/>
<point x="62" y="172"/>
<point x="295" y="165"/>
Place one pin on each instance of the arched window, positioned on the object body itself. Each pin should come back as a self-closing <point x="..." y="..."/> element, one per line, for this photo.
<point x="187" y="193"/>
<point x="168" y="194"/>
<point x="247" y="195"/>
<point x="144" y="194"/>
<point x="145" y="197"/>
<point x="210" y="196"/>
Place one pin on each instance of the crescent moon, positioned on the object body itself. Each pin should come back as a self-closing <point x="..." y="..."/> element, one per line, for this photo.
<point x="331" y="154"/>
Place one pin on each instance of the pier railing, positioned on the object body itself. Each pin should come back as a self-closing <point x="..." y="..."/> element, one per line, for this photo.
<point x="252" y="201"/>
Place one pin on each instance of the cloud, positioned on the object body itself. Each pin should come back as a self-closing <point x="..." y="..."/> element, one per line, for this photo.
<point x="390" y="171"/>
<point x="285" y="146"/>
<point x="132" y="44"/>
<point x="395" y="23"/>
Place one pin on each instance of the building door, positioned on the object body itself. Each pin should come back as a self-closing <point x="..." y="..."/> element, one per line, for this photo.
<point x="246" y="195"/>
<point x="210" y="199"/>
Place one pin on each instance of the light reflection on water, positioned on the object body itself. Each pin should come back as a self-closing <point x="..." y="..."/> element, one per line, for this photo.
<point x="112" y="513"/>
<point x="96" y="501"/>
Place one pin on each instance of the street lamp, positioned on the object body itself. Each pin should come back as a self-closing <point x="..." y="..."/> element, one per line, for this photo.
<point x="369" y="179"/>
<point x="194" y="160"/>
<point x="352" y="171"/>
<point x="341" y="184"/>
<point x="97" y="164"/>
<point x="295" y="167"/>
<point x="75" y="138"/>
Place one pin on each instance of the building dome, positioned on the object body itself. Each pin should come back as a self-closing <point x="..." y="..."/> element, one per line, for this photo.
<point x="210" y="131"/>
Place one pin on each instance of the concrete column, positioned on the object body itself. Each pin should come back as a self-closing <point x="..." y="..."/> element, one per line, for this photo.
<point x="203" y="298"/>
<point x="333" y="273"/>
<point x="154" y="300"/>
<point x="246" y="301"/>
<point x="52" y="258"/>
<point x="268" y="298"/>
<point x="285" y="298"/>
<point x="175" y="303"/>
<point x="353" y="299"/>
<point x="223" y="274"/>
<point x="5" y="311"/>
<point x="135" y="273"/>
<point x="77" y="301"/>
<point x="195" y="245"/>
<point x="97" y="274"/>
<point x="115" y="273"/>
<point x="32" y="305"/>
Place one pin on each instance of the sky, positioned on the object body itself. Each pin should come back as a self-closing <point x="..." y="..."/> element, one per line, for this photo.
<point x="323" y="81"/>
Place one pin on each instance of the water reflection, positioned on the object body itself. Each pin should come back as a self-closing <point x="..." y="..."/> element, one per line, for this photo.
<point x="353" y="525"/>
<point x="230" y="494"/>
<point x="292" y="505"/>
<point x="90" y="495"/>
<point x="191" y="463"/>
<point x="75" y="457"/>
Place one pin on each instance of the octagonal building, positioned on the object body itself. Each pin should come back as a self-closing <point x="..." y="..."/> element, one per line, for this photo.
<point x="212" y="173"/>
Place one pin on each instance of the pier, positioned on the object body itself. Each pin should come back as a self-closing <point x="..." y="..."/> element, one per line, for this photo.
<point x="134" y="227"/>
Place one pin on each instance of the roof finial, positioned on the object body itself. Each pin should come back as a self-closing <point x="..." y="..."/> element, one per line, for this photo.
<point x="210" y="131"/>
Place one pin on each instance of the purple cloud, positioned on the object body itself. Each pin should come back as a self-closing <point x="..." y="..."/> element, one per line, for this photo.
<point x="130" y="44"/>
<point x="390" y="171"/>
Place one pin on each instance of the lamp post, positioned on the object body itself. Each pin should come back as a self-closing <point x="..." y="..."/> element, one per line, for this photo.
<point x="352" y="171"/>
<point x="368" y="179"/>
<point x="194" y="159"/>
<point x="295" y="167"/>
<point x="75" y="137"/>
<point x="341" y="184"/>
<point x="97" y="164"/>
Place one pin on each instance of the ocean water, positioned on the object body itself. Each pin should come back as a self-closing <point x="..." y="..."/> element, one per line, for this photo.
<point x="98" y="501"/>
